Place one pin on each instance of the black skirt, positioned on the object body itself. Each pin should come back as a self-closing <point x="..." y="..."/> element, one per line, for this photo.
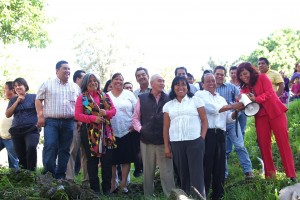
<point x="124" y="153"/>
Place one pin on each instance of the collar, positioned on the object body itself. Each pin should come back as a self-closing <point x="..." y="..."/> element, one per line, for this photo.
<point x="59" y="81"/>
<point x="185" y="98"/>
<point x="215" y="93"/>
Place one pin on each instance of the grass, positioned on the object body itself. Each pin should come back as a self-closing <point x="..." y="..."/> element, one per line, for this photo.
<point x="236" y="187"/>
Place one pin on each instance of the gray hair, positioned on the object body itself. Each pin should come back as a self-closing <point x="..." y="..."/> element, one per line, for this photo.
<point x="85" y="82"/>
<point x="154" y="77"/>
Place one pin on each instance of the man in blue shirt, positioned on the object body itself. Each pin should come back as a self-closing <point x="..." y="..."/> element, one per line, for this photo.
<point x="230" y="92"/>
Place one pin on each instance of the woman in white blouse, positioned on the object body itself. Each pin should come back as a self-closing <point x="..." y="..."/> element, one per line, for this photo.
<point x="185" y="126"/>
<point x="124" y="101"/>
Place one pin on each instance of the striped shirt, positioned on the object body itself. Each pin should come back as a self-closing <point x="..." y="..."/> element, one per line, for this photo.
<point x="229" y="92"/>
<point x="59" y="99"/>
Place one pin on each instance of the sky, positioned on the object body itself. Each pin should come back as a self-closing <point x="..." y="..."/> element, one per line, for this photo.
<point x="169" y="32"/>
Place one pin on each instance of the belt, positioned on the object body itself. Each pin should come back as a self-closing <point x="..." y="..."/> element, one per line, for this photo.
<point x="70" y="118"/>
<point x="215" y="130"/>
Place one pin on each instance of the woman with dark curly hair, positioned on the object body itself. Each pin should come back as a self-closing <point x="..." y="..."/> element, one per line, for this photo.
<point x="271" y="117"/>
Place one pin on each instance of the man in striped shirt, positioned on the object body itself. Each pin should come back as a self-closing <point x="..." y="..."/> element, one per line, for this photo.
<point x="55" y="104"/>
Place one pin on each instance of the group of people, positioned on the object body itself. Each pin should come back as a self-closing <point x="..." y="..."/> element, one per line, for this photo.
<point x="291" y="86"/>
<point x="188" y="131"/>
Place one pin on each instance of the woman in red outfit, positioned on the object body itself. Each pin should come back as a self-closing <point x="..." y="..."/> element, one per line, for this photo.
<point x="271" y="117"/>
<point x="95" y="109"/>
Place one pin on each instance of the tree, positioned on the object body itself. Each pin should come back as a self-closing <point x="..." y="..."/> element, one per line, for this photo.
<point x="101" y="50"/>
<point x="23" y="20"/>
<point x="281" y="48"/>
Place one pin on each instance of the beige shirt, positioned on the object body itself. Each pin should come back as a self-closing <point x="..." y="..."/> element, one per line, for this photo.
<point x="5" y="123"/>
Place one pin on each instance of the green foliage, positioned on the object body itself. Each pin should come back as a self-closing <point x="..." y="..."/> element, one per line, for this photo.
<point x="282" y="48"/>
<point x="23" y="20"/>
<point x="257" y="188"/>
<point x="260" y="188"/>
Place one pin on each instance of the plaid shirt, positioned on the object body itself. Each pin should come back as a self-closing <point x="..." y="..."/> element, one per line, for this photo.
<point x="59" y="99"/>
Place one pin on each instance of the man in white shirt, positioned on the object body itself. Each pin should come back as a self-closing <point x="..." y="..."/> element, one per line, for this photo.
<point x="218" y="114"/>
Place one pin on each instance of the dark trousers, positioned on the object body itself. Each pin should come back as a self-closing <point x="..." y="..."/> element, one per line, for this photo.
<point x="92" y="165"/>
<point x="138" y="163"/>
<point x="25" y="147"/>
<point x="214" y="162"/>
<point x="188" y="158"/>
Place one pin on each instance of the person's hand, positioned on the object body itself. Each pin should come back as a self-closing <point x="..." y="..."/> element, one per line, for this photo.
<point x="238" y="106"/>
<point x="41" y="121"/>
<point x="20" y="98"/>
<point x="102" y="112"/>
<point x="252" y="98"/>
<point x="168" y="153"/>
<point x="99" y="120"/>
<point x="238" y="97"/>
<point x="78" y="124"/>
<point x="131" y="128"/>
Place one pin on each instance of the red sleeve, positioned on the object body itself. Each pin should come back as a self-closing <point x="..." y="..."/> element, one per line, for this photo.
<point x="268" y="91"/>
<point x="112" y="112"/>
<point x="79" y="114"/>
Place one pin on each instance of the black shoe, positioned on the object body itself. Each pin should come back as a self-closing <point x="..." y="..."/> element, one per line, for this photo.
<point x="294" y="179"/>
<point x="249" y="175"/>
<point x="138" y="173"/>
<point x="115" y="191"/>
<point x="125" y="191"/>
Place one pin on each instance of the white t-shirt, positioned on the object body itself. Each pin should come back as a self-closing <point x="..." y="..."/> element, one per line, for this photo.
<point x="185" y="122"/>
<point x="124" y="105"/>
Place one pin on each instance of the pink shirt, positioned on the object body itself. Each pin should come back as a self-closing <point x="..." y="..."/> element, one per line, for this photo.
<point x="136" y="117"/>
<point x="82" y="117"/>
<point x="296" y="88"/>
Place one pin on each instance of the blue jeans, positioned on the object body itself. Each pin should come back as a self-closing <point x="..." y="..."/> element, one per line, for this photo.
<point x="239" y="147"/>
<point x="243" y="122"/>
<point x="13" y="161"/>
<point x="58" y="135"/>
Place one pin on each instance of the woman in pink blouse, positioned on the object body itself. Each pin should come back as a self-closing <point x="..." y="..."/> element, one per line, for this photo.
<point x="95" y="109"/>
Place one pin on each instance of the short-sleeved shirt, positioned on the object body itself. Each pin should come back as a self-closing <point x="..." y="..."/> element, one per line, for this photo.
<point x="275" y="78"/>
<point x="137" y="92"/>
<point x="5" y="123"/>
<point x="59" y="99"/>
<point x="25" y="112"/>
<point x="213" y="104"/>
<point x="295" y="75"/>
<point x="185" y="122"/>
<point x="124" y="105"/>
